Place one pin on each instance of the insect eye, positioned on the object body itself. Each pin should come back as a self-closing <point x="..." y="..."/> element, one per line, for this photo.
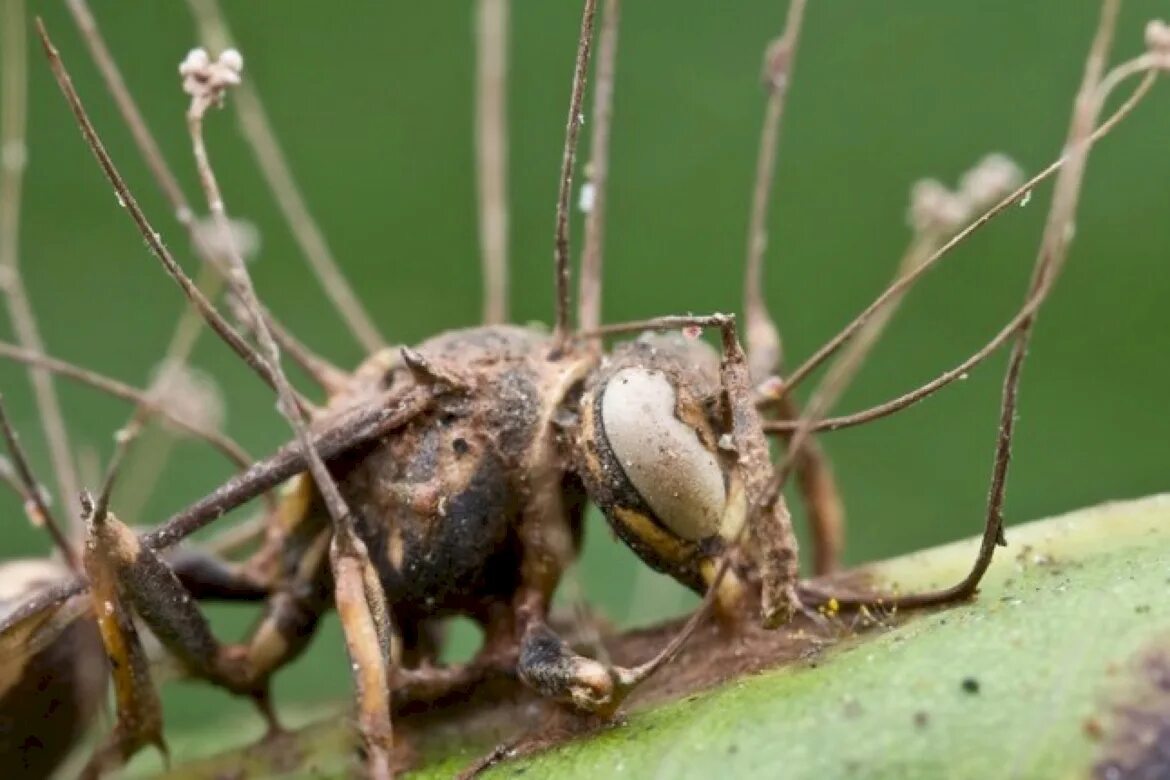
<point x="663" y="458"/>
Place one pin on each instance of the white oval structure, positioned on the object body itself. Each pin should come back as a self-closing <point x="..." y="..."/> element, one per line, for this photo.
<point x="662" y="456"/>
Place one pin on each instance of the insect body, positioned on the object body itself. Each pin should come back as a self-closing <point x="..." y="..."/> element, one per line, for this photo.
<point x="48" y="698"/>
<point x="451" y="479"/>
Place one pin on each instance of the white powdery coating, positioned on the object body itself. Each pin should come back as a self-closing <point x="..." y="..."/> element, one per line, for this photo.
<point x="245" y="238"/>
<point x="587" y="197"/>
<point x="1158" y="36"/>
<point x="661" y="455"/>
<point x="189" y="394"/>
<point x="933" y="207"/>
<point x="987" y="183"/>
<point x="206" y="80"/>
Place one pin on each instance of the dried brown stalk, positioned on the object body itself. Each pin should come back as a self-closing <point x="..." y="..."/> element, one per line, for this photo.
<point x="1052" y="255"/>
<point x="830" y="347"/>
<point x="568" y="162"/>
<point x="142" y="398"/>
<point x="361" y="607"/>
<point x="593" y="248"/>
<point x="763" y="337"/>
<point x="13" y="154"/>
<point x="153" y="239"/>
<point x="1007" y="331"/>
<point x="491" y="153"/>
<point x="274" y="167"/>
<point x="34" y="496"/>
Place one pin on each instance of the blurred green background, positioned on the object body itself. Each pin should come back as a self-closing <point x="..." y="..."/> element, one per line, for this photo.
<point x="373" y="104"/>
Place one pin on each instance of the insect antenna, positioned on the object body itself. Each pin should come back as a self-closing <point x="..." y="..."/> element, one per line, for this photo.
<point x="568" y="160"/>
<point x="594" y="192"/>
<point x="491" y="153"/>
<point x="257" y="131"/>
<point x="13" y="154"/>
<point x="30" y="490"/>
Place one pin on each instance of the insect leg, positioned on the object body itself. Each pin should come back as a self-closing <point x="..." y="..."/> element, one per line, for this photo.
<point x="124" y="566"/>
<point x="369" y="639"/>
<point x="139" y="712"/>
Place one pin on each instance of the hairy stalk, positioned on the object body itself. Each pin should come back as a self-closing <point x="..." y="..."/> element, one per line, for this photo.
<point x="153" y="452"/>
<point x="818" y="486"/>
<point x="830" y="347"/>
<point x="153" y="239"/>
<point x="568" y="162"/>
<point x="491" y="153"/>
<point x="257" y="131"/>
<point x="13" y="158"/>
<point x="141" y="398"/>
<point x="763" y="337"/>
<point x="1053" y="252"/>
<point x="1008" y="330"/>
<point x="34" y="497"/>
<point x="593" y="248"/>
<point x="361" y="607"/>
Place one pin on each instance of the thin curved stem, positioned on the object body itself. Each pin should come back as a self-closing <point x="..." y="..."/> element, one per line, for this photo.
<point x="112" y="387"/>
<point x="491" y="153"/>
<point x="257" y="131"/>
<point x="763" y="337"/>
<point x="34" y="498"/>
<point x="1026" y="311"/>
<point x="597" y="172"/>
<point x="846" y="333"/>
<point x="13" y="157"/>
<point x="568" y="162"/>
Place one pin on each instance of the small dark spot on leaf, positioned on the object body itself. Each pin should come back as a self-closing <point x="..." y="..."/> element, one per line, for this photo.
<point x="732" y="749"/>
<point x="921" y="719"/>
<point x="970" y="685"/>
<point x="1093" y="728"/>
<point x="1142" y="609"/>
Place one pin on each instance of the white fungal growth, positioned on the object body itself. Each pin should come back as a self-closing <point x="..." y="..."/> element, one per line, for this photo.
<point x="587" y="197"/>
<point x="206" y="80"/>
<point x="987" y="183"/>
<point x="1158" y="42"/>
<point x="20" y="576"/>
<point x="245" y="238"/>
<point x="935" y="208"/>
<point x="664" y="460"/>
<point x="189" y="394"/>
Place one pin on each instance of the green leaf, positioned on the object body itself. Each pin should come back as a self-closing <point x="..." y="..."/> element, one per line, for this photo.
<point x="1038" y="677"/>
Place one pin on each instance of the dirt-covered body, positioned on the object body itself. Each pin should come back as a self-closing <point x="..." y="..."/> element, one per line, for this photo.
<point x="49" y="699"/>
<point x="439" y="503"/>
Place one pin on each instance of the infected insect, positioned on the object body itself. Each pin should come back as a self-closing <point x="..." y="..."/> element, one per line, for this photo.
<point x="451" y="478"/>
